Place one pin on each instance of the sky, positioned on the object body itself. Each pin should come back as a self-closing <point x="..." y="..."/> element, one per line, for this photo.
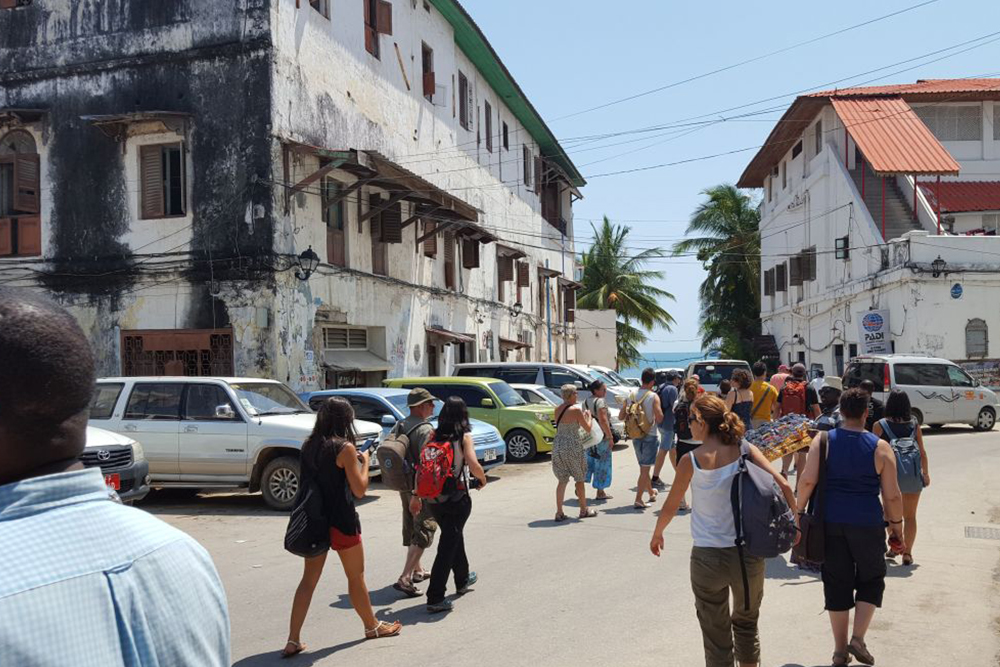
<point x="572" y="55"/>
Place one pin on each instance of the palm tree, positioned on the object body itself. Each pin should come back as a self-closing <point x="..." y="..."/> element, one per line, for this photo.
<point x="728" y="245"/>
<point x="612" y="279"/>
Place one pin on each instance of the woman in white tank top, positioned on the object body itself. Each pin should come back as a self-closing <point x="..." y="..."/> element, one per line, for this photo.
<point x="715" y="564"/>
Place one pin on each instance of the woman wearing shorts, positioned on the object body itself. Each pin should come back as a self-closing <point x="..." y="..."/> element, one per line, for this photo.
<point x="330" y="458"/>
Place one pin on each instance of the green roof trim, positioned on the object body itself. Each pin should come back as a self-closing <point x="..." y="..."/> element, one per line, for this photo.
<point x="477" y="48"/>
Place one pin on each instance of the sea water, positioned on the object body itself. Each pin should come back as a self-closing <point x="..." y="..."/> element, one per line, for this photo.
<point x="663" y="360"/>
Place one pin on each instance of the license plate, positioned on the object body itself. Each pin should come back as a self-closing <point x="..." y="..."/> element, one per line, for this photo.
<point x="372" y="461"/>
<point x="113" y="481"/>
<point x="490" y="455"/>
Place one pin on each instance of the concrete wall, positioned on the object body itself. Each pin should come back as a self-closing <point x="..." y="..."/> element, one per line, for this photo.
<point x="597" y="342"/>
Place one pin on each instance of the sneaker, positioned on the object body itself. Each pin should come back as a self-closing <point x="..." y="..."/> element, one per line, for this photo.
<point x="473" y="578"/>
<point x="438" y="607"/>
<point x="658" y="483"/>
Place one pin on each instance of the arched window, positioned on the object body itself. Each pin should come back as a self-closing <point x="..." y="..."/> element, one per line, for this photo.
<point x="977" y="341"/>
<point x="20" y="226"/>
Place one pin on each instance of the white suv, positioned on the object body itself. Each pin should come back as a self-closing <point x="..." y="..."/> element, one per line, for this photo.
<point x="212" y="432"/>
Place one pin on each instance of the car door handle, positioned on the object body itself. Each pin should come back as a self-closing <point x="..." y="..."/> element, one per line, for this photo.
<point x="130" y="427"/>
<point x="190" y="429"/>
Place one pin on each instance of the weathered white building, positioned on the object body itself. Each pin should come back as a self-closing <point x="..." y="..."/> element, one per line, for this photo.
<point x="167" y="173"/>
<point x="843" y="233"/>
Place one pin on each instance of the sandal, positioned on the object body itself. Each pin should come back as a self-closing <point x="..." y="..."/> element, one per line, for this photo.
<point x="560" y="517"/>
<point x="417" y="577"/>
<point x="589" y="514"/>
<point x="640" y="505"/>
<point x="296" y="646"/>
<point x="407" y="589"/>
<point x="384" y="629"/>
<point x="840" y="659"/>
<point x="859" y="650"/>
<point x="907" y="559"/>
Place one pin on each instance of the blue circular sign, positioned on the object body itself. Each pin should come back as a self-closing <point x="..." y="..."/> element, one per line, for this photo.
<point x="872" y="322"/>
<point x="956" y="291"/>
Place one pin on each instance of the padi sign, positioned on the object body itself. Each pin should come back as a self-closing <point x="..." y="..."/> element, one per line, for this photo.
<point x="873" y="329"/>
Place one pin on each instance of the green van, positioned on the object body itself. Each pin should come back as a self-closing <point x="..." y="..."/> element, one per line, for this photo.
<point x="527" y="429"/>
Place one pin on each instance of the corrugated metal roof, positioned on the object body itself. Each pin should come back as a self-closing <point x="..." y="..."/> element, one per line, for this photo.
<point x="963" y="196"/>
<point x="892" y="138"/>
<point x="922" y="87"/>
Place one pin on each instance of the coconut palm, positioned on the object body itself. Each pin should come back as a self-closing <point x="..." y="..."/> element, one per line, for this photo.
<point x="614" y="279"/>
<point x="728" y="245"/>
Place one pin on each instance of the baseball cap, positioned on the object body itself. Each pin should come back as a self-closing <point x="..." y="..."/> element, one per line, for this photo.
<point x="418" y="396"/>
<point x="782" y="368"/>
<point x="798" y="371"/>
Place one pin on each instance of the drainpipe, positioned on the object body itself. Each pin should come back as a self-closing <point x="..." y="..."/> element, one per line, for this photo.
<point x="883" y="209"/>
<point x="915" y="217"/>
<point x="847" y="143"/>
<point x="548" y="311"/>
<point x="565" y="324"/>
<point x="937" y="203"/>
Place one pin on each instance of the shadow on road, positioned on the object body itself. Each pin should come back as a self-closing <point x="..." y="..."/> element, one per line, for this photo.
<point x="779" y="568"/>
<point x="308" y="657"/>
<point x="948" y="430"/>
<point x="206" y="502"/>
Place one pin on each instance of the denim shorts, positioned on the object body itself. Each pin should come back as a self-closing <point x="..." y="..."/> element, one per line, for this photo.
<point x="645" y="448"/>
<point x="666" y="439"/>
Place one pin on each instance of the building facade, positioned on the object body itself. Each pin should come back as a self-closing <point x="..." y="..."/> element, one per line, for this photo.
<point x="883" y="200"/>
<point x="167" y="171"/>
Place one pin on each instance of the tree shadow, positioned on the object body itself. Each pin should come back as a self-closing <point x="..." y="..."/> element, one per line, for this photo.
<point x="308" y="657"/>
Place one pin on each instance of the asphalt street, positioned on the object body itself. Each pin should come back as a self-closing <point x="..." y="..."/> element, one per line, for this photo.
<point x="590" y="592"/>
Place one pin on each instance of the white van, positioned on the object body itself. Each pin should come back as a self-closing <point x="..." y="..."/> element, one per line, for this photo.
<point x="939" y="390"/>
<point x="711" y="372"/>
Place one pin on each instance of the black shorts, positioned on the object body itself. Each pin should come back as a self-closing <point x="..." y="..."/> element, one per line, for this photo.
<point x="854" y="566"/>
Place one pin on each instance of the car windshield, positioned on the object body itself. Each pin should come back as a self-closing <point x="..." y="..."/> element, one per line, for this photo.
<point x="618" y="379"/>
<point x="552" y="396"/>
<point x="399" y="402"/>
<point x="261" y="399"/>
<point x="507" y="396"/>
<point x="714" y="373"/>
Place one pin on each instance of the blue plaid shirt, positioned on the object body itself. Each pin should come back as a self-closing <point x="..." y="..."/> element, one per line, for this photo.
<point x="86" y="581"/>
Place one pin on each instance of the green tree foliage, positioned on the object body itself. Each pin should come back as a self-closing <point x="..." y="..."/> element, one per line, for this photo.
<point x="724" y="234"/>
<point x="614" y="279"/>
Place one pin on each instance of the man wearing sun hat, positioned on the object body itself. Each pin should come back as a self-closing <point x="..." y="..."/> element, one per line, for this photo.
<point x="419" y="529"/>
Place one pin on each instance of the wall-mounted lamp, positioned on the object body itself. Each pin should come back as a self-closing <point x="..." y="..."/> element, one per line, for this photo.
<point x="798" y="340"/>
<point x="938" y="266"/>
<point x="307" y="262"/>
<point x="517" y="309"/>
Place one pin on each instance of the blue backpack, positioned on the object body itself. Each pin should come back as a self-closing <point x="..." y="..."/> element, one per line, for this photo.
<point x="909" y="471"/>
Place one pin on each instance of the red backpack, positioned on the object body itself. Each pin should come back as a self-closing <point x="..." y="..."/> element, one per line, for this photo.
<point x="435" y="467"/>
<point x="793" y="398"/>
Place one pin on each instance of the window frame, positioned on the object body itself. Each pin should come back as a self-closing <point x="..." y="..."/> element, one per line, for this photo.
<point x="464" y="113"/>
<point x="236" y="418"/>
<point x="139" y="386"/>
<point x="427" y="70"/>
<point x="842" y="247"/>
<point x="323" y="9"/>
<point x="505" y="135"/>
<point x="526" y="158"/>
<point x="980" y="327"/>
<point x="488" y="125"/>
<point x="162" y="147"/>
<point x="117" y="387"/>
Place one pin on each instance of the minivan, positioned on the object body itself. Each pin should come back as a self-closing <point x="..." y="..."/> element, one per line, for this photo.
<point x="710" y="372"/>
<point x="939" y="390"/>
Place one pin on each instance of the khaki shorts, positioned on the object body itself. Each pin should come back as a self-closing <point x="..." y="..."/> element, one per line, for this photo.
<point x="418" y="530"/>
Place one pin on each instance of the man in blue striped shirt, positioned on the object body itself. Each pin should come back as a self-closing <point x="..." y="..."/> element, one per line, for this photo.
<point x="86" y="581"/>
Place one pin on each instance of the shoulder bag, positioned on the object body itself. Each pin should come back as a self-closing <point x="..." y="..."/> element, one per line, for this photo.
<point x="812" y="544"/>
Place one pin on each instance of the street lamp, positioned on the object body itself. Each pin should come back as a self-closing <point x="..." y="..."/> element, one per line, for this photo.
<point x="938" y="266"/>
<point x="517" y="309"/>
<point x="307" y="261"/>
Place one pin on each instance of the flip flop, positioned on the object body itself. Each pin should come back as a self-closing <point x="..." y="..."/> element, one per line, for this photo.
<point x="417" y="577"/>
<point x="560" y="517"/>
<point x="298" y="649"/>
<point x="589" y="514"/>
<point x="407" y="589"/>
<point x="384" y="629"/>
<point x="640" y="506"/>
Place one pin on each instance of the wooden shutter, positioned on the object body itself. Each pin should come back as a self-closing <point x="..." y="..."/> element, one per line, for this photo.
<point x="470" y="254"/>
<point x="809" y="264"/>
<point x="488" y="125"/>
<point x="570" y="301"/>
<point x="795" y="271"/>
<point x="769" y="282"/>
<point x="523" y="279"/>
<point x="431" y="242"/>
<point x="26" y="186"/>
<point x="526" y="158"/>
<point x="6" y="241"/>
<point x="780" y="274"/>
<point x="392" y="221"/>
<point x="463" y="100"/>
<point x="449" y="260"/>
<point x="383" y="23"/>
<point x="371" y="36"/>
<point x="505" y="268"/>
<point x="429" y="84"/>
<point x="539" y="170"/>
<point x="151" y="181"/>
<point x="29" y="235"/>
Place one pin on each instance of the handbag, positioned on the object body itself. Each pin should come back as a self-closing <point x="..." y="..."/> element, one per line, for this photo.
<point x="596" y="434"/>
<point x="308" y="532"/>
<point x="812" y="543"/>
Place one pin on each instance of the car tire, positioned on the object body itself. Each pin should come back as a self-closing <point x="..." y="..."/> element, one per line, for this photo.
<point x="918" y="415"/>
<point x="520" y="446"/>
<point x="280" y="481"/>
<point x="986" y="420"/>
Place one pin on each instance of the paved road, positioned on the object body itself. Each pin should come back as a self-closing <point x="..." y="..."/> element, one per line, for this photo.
<point x="590" y="593"/>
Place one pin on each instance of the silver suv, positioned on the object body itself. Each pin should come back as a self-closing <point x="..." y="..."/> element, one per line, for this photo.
<point x="213" y="432"/>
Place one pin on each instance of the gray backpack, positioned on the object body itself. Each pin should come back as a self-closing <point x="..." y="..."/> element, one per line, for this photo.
<point x="394" y="459"/>
<point x="765" y="524"/>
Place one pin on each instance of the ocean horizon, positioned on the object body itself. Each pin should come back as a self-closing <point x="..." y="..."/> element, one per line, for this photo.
<point x="661" y="360"/>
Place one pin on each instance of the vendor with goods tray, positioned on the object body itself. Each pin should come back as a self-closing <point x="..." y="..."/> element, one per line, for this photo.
<point x="783" y="436"/>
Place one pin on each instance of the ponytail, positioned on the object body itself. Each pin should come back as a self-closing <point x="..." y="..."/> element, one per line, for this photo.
<point x="720" y="420"/>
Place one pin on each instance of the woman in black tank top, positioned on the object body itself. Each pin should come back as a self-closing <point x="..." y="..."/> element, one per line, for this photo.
<point x="331" y="463"/>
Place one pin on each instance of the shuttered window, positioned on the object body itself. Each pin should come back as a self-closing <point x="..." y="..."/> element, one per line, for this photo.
<point x="488" y="125"/>
<point x="470" y="254"/>
<point x="378" y="21"/>
<point x="569" y="303"/>
<point x="769" y="282"/>
<point x="539" y="173"/>
<point x="464" y="118"/>
<point x="333" y="216"/>
<point x="523" y="277"/>
<point x="431" y="242"/>
<point x="809" y="264"/>
<point x="780" y="278"/>
<point x="976" y="339"/>
<point x="162" y="181"/>
<point x="819" y="136"/>
<point x="427" y="68"/>
<point x="506" y="135"/>
<point x="449" y="260"/>
<point x="526" y="158"/>
<point x="392" y="224"/>
<point x="379" y="259"/>
<point x="795" y="271"/>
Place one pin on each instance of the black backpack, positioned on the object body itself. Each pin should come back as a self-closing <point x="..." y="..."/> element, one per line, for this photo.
<point x="308" y="532"/>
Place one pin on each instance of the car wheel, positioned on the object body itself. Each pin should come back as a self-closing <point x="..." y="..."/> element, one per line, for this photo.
<point x="918" y="415"/>
<point x="520" y="446"/>
<point x="986" y="421"/>
<point x="280" y="483"/>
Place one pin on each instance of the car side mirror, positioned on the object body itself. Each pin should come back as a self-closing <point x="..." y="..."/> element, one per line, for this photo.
<point x="486" y="403"/>
<point x="388" y="420"/>
<point x="224" y="412"/>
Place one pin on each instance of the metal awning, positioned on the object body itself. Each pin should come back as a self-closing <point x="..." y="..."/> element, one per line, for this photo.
<point x="355" y="360"/>
<point x="510" y="251"/>
<point x="566" y="283"/>
<point x="116" y="125"/>
<point x="963" y="196"/>
<point x="450" y="336"/>
<point x="508" y="344"/>
<point x="546" y="272"/>
<point x="892" y="137"/>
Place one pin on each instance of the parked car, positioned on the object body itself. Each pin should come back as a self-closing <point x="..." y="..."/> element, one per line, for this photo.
<point x="214" y="432"/>
<point x="612" y="375"/>
<point x="633" y="382"/>
<point x="536" y="394"/>
<point x="939" y="390"/>
<point x="711" y="372"/>
<point x="387" y="406"/>
<point x="527" y="429"/>
<point x="121" y="460"/>
<point x="661" y="374"/>
<point x="553" y="377"/>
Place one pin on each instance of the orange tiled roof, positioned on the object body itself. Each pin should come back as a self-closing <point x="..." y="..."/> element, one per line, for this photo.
<point x="892" y="138"/>
<point x="922" y="87"/>
<point x="963" y="196"/>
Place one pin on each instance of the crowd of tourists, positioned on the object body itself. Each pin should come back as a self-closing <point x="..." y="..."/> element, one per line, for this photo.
<point x="859" y="479"/>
